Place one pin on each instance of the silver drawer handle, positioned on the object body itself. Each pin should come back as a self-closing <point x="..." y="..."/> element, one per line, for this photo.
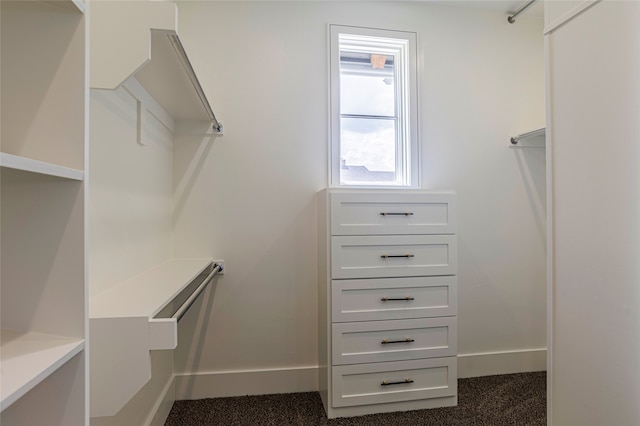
<point x="396" y="214"/>
<point x="395" y="256"/>
<point x="391" y="299"/>
<point x="389" y="342"/>
<point x="405" y="381"/>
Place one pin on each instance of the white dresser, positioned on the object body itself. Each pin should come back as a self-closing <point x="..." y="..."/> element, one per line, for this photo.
<point x="387" y="300"/>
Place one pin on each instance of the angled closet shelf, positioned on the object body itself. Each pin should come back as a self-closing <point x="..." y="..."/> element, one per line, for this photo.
<point x="146" y="47"/>
<point x="531" y="139"/>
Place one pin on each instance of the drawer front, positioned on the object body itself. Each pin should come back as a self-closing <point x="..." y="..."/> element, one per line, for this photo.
<point x="392" y="213"/>
<point x="396" y="340"/>
<point x="393" y="298"/>
<point x="382" y="382"/>
<point x="388" y="256"/>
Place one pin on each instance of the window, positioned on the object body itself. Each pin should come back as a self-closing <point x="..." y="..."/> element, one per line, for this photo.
<point x="374" y="134"/>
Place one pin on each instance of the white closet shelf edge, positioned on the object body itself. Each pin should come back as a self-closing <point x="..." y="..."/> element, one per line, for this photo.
<point x="28" y="358"/>
<point x="40" y="167"/>
<point x="145" y="294"/>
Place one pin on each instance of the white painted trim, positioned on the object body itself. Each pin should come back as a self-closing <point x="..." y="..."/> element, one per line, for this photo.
<point x="409" y="111"/>
<point x="503" y="362"/>
<point x="217" y="384"/>
<point x="162" y="407"/>
<point x="549" y="201"/>
<point x="586" y="4"/>
<point x="220" y="384"/>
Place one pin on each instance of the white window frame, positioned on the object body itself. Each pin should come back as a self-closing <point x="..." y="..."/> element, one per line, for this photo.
<point x="407" y="138"/>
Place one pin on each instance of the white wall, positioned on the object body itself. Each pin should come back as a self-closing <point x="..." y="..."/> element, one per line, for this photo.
<point x="594" y="97"/>
<point x="248" y="197"/>
<point x="130" y="191"/>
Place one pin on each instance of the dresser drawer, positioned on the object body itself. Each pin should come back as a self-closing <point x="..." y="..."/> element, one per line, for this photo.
<point x="396" y="340"/>
<point x="382" y="382"/>
<point x="392" y="213"/>
<point x="393" y="298"/>
<point x="386" y="256"/>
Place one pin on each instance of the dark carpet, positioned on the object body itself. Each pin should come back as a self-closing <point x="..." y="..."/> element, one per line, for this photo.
<point x="512" y="399"/>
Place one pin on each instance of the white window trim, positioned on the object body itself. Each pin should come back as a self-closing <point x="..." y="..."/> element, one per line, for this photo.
<point x="412" y="166"/>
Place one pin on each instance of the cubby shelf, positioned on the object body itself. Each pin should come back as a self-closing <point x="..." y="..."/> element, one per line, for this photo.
<point x="28" y="358"/>
<point x="27" y="164"/>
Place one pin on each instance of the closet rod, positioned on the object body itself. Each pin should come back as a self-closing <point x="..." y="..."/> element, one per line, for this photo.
<point x="512" y="18"/>
<point x="187" y="303"/>
<point x="532" y="134"/>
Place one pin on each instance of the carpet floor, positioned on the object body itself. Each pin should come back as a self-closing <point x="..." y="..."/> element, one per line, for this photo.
<point x="512" y="399"/>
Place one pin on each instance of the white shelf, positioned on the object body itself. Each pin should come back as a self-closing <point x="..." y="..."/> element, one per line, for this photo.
<point x="26" y="164"/>
<point x="147" y="293"/>
<point x="28" y="358"/>
<point x="147" y="47"/>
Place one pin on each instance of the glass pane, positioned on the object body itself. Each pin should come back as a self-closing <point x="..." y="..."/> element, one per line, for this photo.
<point x="365" y="90"/>
<point x="368" y="150"/>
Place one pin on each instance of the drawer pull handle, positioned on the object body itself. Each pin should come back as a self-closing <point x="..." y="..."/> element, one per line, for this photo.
<point x="396" y="214"/>
<point x="405" y="381"/>
<point x="389" y="342"/>
<point x="391" y="299"/>
<point x="395" y="256"/>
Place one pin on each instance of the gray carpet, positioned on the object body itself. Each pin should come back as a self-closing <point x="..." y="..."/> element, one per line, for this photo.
<point x="513" y="399"/>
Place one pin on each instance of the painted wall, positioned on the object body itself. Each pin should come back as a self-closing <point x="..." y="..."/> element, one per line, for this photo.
<point x="248" y="196"/>
<point x="594" y="67"/>
<point x="130" y="191"/>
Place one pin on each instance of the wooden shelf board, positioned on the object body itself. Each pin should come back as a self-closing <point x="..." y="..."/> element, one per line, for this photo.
<point x="147" y="293"/>
<point x="35" y="166"/>
<point x="28" y="358"/>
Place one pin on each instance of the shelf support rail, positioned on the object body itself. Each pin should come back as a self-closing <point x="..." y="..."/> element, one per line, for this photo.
<point x="512" y="18"/>
<point x="182" y="55"/>
<point x="217" y="268"/>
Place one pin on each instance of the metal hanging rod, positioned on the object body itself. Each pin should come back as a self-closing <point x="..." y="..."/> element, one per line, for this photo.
<point x="182" y="55"/>
<point x="512" y="18"/>
<point x="187" y="303"/>
<point x="539" y="132"/>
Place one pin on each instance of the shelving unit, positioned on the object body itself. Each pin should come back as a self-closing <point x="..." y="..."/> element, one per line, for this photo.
<point x="142" y="85"/>
<point x="43" y="283"/>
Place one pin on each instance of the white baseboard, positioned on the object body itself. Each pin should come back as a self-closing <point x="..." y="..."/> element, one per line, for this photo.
<point x="504" y="362"/>
<point x="162" y="407"/>
<point x="219" y="384"/>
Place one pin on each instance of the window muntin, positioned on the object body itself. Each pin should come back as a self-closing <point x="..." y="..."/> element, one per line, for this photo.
<point x="374" y="113"/>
